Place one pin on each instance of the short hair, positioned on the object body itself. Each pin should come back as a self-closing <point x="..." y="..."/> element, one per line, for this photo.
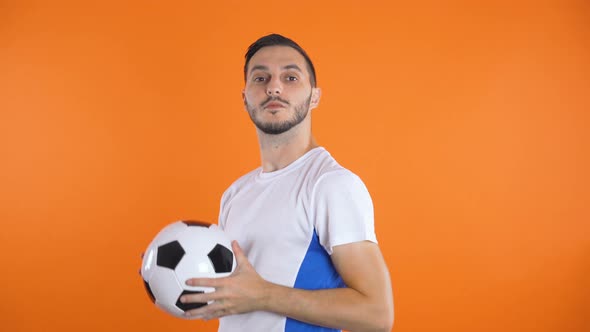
<point x="278" y="40"/>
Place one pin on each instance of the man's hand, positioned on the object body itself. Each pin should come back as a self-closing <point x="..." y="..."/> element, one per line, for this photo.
<point x="243" y="291"/>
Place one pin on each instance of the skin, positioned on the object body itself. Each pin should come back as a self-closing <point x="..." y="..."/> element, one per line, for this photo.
<point x="366" y="304"/>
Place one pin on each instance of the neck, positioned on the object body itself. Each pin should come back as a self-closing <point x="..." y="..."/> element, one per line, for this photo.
<point x="278" y="151"/>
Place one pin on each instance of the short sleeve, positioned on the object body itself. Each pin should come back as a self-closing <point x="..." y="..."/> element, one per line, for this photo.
<point x="342" y="210"/>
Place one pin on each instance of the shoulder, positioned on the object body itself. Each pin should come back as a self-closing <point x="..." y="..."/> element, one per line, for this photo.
<point x="342" y="179"/>
<point x="335" y="185"/>
<point x="331" y="176"/>
<point x="324" y="170"/>
<point x="238" y="184"/>
<point x="341" y="188"/>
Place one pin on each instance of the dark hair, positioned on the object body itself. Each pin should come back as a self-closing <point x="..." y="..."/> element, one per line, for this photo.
<point x="278" y="40"/>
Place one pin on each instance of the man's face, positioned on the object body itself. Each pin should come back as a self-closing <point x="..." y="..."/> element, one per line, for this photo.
<point x="278" y="94"/>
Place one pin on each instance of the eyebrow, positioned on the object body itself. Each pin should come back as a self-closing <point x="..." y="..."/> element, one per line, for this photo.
<point x="296" y="67"/>
<point x="265" y="68"/>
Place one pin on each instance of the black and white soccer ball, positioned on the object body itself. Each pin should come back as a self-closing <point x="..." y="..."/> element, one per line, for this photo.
<point x="180" y="251"/>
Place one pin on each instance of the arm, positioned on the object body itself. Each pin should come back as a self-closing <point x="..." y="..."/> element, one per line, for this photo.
<point x="365" y="305"/>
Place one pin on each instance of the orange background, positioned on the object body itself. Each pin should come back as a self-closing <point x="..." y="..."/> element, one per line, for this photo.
<point x="468" y="122"/>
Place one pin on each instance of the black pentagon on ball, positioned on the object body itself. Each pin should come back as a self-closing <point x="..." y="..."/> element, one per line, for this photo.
<point x="195" y="223"/>
<point x="169" y="255"/>
<point x="189" y="306"/>
<point x="148" y="290"/>
<point x="221" y="258"/>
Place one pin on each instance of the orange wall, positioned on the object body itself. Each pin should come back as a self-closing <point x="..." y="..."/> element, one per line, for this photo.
<point x="468" y="122"/>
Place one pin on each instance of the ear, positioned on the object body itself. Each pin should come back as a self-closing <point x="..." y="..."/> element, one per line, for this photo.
<point x="244" y="98"/>
<point x="316" y="94"/>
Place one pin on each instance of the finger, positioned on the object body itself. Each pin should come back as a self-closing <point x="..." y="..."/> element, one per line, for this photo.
<point x="239" y="253"/>
<point x="209" y="311"/>
<point x="205" y="282"/>
<point x="200" y="297"/>
<point x="217" y="314"/>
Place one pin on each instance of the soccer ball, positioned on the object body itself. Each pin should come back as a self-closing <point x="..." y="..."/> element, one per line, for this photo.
<point x="180" y="251"/>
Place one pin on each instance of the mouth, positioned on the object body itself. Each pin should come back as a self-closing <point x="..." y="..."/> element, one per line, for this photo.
<point x="274" y="105"/>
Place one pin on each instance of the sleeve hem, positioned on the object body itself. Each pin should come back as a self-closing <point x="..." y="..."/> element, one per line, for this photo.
<point x="348" y="238"/>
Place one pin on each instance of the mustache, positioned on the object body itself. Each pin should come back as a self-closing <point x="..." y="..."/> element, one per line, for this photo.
<point x="271" y="99"/>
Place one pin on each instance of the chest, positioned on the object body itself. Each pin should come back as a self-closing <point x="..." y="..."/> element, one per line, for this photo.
<point x="273" y="223"/>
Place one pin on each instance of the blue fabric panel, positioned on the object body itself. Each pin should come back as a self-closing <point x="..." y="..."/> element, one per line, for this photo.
<point x="316" y="272"/>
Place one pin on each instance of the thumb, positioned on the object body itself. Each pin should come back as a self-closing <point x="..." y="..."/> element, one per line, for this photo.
<point x="241" y="258"/>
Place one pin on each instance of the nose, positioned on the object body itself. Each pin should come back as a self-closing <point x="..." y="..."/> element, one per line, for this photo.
<point x="274" y="87"/>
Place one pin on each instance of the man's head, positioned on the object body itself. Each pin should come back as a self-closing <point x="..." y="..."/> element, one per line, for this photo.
<point x="278" y="40"/>
<point x="280" y="85"/>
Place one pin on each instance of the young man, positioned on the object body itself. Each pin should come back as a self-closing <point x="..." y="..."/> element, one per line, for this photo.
<point x="310" y="260"/>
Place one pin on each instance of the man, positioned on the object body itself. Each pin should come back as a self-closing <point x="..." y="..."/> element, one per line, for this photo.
<point x="309" y="261"/>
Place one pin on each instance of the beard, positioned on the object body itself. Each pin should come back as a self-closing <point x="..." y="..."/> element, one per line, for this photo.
<point x="277" y="128"/>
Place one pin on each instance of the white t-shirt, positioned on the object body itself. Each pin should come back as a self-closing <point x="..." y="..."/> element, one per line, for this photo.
<point x="288" y="221"/>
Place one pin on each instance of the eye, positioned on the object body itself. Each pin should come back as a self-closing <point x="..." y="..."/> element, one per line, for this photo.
<point x="259" y="79"/>
<point x="292" y="78"/>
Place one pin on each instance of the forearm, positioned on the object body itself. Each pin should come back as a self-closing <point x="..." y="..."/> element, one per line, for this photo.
<point x="342" y="308"/>
<point x="365" y="305"/>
